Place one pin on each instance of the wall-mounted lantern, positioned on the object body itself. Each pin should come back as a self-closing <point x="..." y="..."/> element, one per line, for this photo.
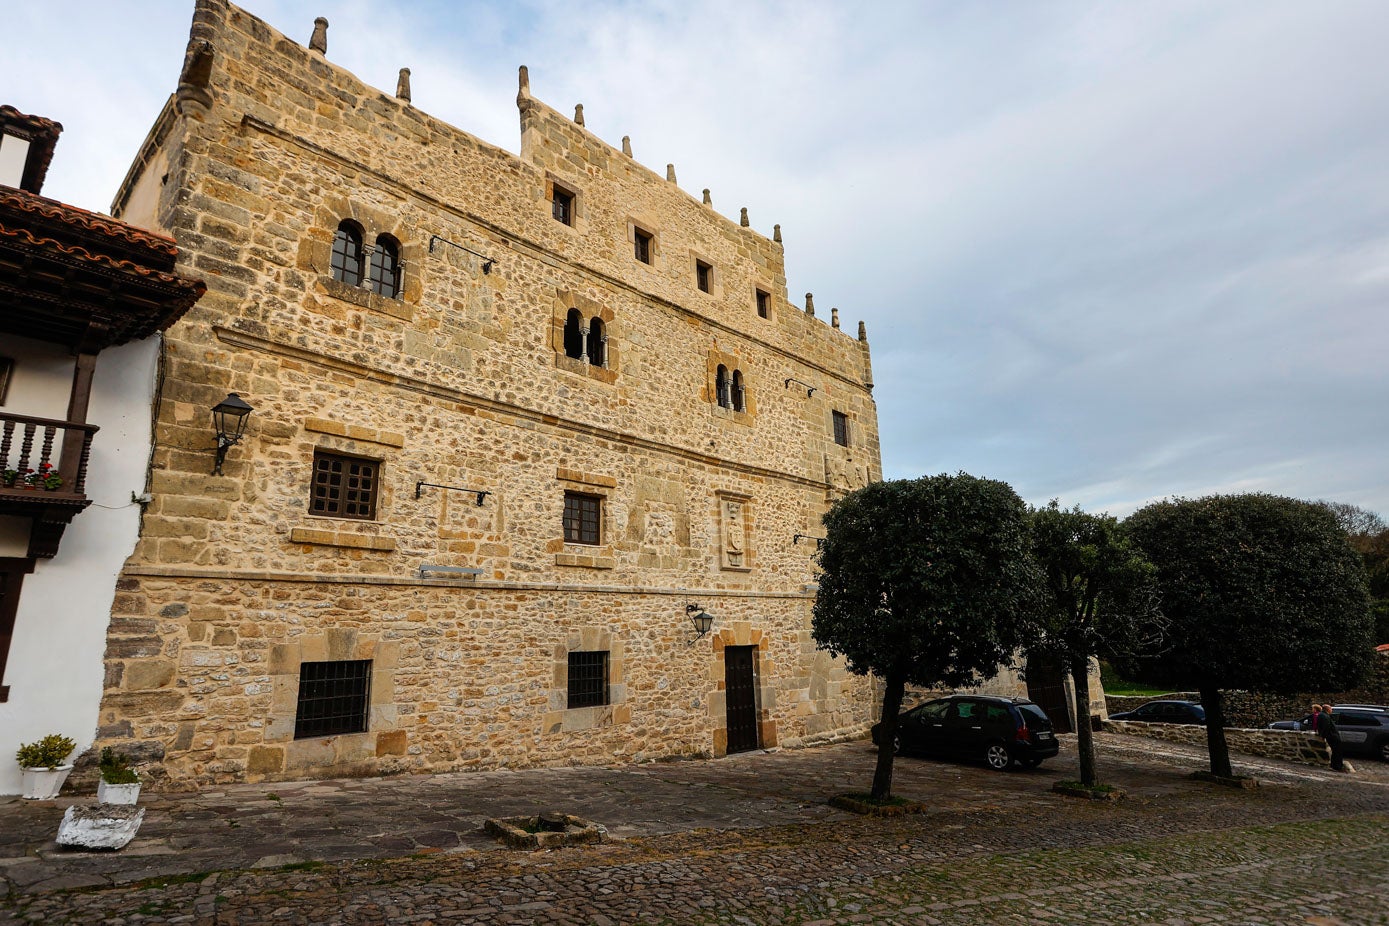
<point x="702" y="620"/>
<point x="229" y="420"/>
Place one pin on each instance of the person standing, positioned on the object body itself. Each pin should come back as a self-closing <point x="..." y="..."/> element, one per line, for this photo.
<point x="1326" y="729"/>
<point x="1316" y="716"/>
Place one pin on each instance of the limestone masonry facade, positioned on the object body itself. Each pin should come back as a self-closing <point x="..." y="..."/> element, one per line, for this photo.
<point x="512" y="416"/>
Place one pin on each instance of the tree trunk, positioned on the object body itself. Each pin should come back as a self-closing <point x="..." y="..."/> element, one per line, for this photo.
<point x="896" y="683"/>
<point x="1085" y="736"/>
<point x="1215" y="731"/>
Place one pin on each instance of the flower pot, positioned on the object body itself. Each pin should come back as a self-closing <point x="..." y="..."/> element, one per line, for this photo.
<point x="43" y="784"/>
<point x="117" y="794"/>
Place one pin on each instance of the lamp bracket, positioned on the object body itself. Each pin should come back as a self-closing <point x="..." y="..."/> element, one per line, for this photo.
<point x="819" y="541"/>
<point x="480" y="493"/>
<point x="487" y="262"/>
<point x="809" y="389"/>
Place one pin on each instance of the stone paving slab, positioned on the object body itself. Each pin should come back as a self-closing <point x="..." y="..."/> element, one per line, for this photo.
<point x="716" y="809"/>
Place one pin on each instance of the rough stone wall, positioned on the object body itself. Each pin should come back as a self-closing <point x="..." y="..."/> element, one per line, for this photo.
<point x="1276" y="744"/>
<point x="463" y="381"/>
<point x="1259" y="709"/>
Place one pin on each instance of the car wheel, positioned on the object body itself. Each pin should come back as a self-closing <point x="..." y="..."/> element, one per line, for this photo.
<point x="997" y="756"/>
<point x="897" y="745"/>
<point x="1384" y="749"/>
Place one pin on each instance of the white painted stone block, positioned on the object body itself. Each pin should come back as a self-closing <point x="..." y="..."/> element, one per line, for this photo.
<point x="99" y="826"/>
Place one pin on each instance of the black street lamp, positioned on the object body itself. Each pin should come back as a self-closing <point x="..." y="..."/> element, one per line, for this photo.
<point x="229" y="419"/>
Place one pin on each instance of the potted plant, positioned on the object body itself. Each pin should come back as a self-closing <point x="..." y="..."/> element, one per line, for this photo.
<point x="43" y="766"/>
<point x="119" y="782"/>
<point x="45" y="477"/>
<point x="9" y="477"/>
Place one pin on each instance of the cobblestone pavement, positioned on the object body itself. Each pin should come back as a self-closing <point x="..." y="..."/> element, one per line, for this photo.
<point x="747" y="839"/>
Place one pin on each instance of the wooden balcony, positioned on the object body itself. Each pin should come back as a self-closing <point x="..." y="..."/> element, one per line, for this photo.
<point x="27" y="444"/>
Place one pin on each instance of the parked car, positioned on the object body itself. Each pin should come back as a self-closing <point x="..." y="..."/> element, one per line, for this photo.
<point x="1364" y="728"/>
<point x="1000" y="731"/>
<point x="1165" y="712"/>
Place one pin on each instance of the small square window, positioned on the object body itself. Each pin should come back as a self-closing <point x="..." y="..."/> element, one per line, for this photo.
<point x="344" y="487"/>
<point x="563" y="203"/>
<point x="841" y="429"/>
<point x="588" y="679"/>
<point x="333" y="698"/>
<point x="583" y="516"/>
<point x="764" y="304"/>
<point x="642" y="245"/>
<point x="704" y="275"/>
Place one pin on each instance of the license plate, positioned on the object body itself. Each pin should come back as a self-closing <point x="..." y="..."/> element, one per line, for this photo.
<point x="1043" y="736"/>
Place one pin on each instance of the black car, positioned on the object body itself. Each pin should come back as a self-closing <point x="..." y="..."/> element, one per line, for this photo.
<point x="1165" y="712"/>
<point x="1000" y="731"/>
<point x="1364" y="728"/>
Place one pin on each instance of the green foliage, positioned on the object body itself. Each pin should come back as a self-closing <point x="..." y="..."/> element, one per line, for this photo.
<point x="1101" y="591"/>
<point x="1369" y="537"/>
<point x="1262" y="593"/>
<point x="115" y="768"/>
<point x="929" y="578"/>
<point x="49" y="752"/>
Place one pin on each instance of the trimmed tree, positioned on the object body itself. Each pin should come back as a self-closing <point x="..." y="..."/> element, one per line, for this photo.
<point x="1100" y="600"/>
<point x="926" y="581"/>
<point x="1261" y="592"/>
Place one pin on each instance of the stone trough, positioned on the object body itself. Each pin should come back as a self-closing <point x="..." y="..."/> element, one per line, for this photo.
<point x="545" y="831"/>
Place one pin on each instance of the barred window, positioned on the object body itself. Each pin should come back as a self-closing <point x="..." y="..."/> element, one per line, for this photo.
<point x="764" y="304"/>
<point x="704" y="275"/>
<point x="344" y="487"/>
<point x="841" y="429"/>
<point x="346" y="262"/>
<point x="588" y="679"/>
<point x="563" y="202"/>
<point x="642" y="245"/>
<point x="723" y="390"/>
<point x="740" y="403"/>
<point x="583" y="515"/>
<point x="384" y="270"/>
<point x="333" y="698"/>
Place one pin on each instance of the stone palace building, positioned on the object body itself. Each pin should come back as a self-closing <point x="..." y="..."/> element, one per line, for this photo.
<point x="519" y="425"/>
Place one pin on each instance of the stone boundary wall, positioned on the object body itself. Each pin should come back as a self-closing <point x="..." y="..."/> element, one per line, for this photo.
<point x="1254" y="709"/>
<point x="1289" y="745"/>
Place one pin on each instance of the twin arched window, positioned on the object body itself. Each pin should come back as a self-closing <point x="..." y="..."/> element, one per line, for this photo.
<point x="589" y="342"/>
<point x="380" y="263"/>
<point x="729" y="387"/>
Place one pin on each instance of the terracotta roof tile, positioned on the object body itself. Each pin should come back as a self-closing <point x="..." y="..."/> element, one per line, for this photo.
<point x="24" y="201"/>
<point x="26" y="237"/>
<point x="43" y="136"/>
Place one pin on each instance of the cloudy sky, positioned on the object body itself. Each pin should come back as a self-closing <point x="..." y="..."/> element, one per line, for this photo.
<point x="1106" y="252"/>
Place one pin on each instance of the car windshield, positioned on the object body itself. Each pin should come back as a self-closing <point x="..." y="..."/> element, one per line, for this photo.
<point x="1035" y="716"/>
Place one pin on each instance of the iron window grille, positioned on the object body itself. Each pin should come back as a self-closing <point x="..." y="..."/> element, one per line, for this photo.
<point x="764" y="304"/>
<point x="383" y="270"/>
<point x="333" y="698"/>
<point x="346" y="262"/>
<point x="588" y="679"/>
<point x="583" y="516"/>
<point x="642" y="245"/>
<point x="344" y="487"/>
<point x="841" y="429"/>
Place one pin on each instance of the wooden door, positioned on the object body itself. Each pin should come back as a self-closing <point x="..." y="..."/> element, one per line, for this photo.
<point x="1047" y="688"/>
<point x="740" y="689"/>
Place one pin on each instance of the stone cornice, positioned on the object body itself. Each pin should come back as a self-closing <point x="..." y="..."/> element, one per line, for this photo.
<point x="316" y="578"/>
